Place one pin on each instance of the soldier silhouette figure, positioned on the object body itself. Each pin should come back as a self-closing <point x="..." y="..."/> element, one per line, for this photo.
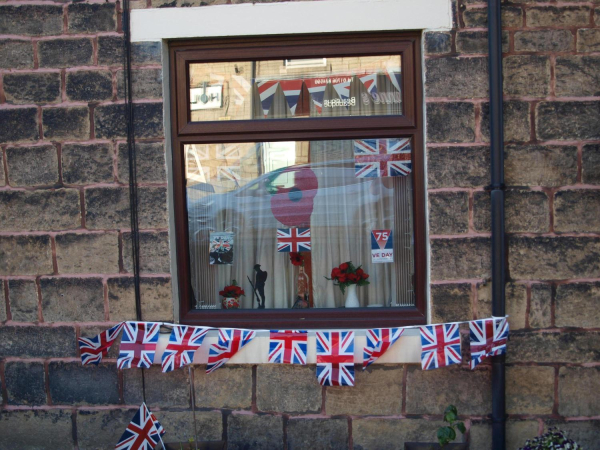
<point x="259" y="286"/>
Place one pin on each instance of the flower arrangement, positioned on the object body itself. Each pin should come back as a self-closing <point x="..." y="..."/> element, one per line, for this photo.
<point x="553" y="438"/>
<point x="296" y="259"/>
<point x="347" y="274"/>
<point x="232" y="291"/>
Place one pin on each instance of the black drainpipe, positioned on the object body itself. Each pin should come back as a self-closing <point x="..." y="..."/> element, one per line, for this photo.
<point x="497" y="202"/>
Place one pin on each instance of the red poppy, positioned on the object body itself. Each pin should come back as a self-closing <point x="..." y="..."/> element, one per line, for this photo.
<point x="336" y="272"/>
<point x="360" y="272"/>
<point x="365" y="276"/>
<point x="342" y="278"/>
<point x="343" y="267"/>
<point x="296" y="259"/>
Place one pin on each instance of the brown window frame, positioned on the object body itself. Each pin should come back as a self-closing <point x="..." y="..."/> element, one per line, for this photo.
<point x="409" y="124"/>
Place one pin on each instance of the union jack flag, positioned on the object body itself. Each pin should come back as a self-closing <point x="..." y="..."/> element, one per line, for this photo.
<point x="288" y="347"/>
<point x="142" y="432"/>
<point x="335" y="358"/>
<point x="440" y="346"/>
<point x="487" y="338"/>
<point x="138" y="344"/>
<point x="231" y="173"/>
<point x="293" y="240"/>
<point x="231" y="341"/>
<point x="183" y="343"/>
<point x="378" y="341"/>
<point x="93" y="349"/>
<point x="382" y="158"/>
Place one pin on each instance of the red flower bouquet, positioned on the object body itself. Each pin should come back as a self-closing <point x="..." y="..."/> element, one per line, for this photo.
<point x="296" y="259"/>
<point x="347" y="274"/>
<point x="232" y="291"/>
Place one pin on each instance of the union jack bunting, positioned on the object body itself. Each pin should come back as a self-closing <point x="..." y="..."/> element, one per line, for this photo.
<point x="138" y="344"/>
<point x="440" y="346"/>
<point x="382" y="158"/>
<point x="141" y="433"/>
<point x="160" y="431"/>
<point x="231" y="173"/>
<point x="335" y="358"/>
<point x="293" y="240"/>
<point x="266" y="93"/>
<point x="291" y="90"/>
<point x="487" y="338"/>
<point x="93" y="349"/>
<point x="231" y="341"/>
<point x="288" y="346"/>
<point x="378" y="341"/>
<point x="183" y="343"/>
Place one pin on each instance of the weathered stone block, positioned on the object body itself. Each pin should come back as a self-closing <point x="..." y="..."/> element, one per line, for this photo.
<point x="588" y="40"/>
<point x="553" y="16"/>
<point x="477" y="17"/>
<point x="25" y="255"/>
<point x="180" y="425"/>
<point x="568" y="120"/>
<point x="31" y="20"/>
<point x="450" y="122"/>
<point x="23" y="297"/>
<point x="65" y="53"/>
<point x="451" y="302"/>
<point x="477" y="42"/>
<point x="110" y="123"/>
<point x="548" y="166"/>
<point x="87" y="163"/>
<point x="102" y="429"/>
<point x="229" y="387"/>
<point x="516" y="303"/>
<point x="579" y="391"/>
<point x="470" y="391"/>
<point x="526" y="211"/>
<point x="469" y="80"/>
<point x="526" y="75"/>
<point x="25" y="383"/>
<point x="442" y="170"/>
<point x="72" y="299"/>
<point x="584" y="432"/>
<point x="89" y="85"/>
<point x="35" y="429"/>
<point x="66" y="123"/>
<point x="287" y="389"/>
<point x="27" y="88"/>
<point x="110" y="50"/>
<point x="517" y="123"/>
<point x="87" y="253"/>
<point x="2" y="178"/>
<point x="317" y="434"/>
<point x="392" y="434"/>
<point x="517" y="432"/>
<point x="367" y="397"/>
<point x="156" y="299"/>
<point x="154" y="252"/>
<point x="242" y="435"/>
<point x="162" y="389"/>
<point x="578" y="305"/>
<point x="40" y="210"/>
<point x="540" y="314"/>
<point x="150" y="163"/>
<point x="544" y="41"/>
<point x="591" y="164"/>
<point x="32" y="166"/>
<point x="577" y="76"/>
<point x="16" y="54"/>
<point x="74" y="384"/>
<point x="92" y="17"/>
<point x="529" y="390"/>
<point x="38" y="342"/>
<point x="146" y="53"/>
<point x="3" y="310"/>
<point x="438" y="42"/>
<point x="565" y="347"/>
<point x="19" y="125"/>
<point x="145" y="83"/>
<point x="448" y="212"/>
<point x="544" y="258"/>
<point x="453" y="259"/>
<point x="577" y="211"/>
<point x="107" y="208"/>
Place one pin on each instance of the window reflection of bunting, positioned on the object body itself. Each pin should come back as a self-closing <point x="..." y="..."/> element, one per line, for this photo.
<point x="291" y="90"/>
<point x="382" y="158"/>
<point x="230" y="151"/>
<point x="228" y="173"/>
<point x="266" y="92"/>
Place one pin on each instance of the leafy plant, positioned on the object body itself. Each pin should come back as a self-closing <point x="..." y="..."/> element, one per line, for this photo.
<point x="552" y="439"/>
<point x="447" y="433"/>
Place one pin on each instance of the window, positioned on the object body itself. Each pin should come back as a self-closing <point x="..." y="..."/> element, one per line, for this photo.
<point x="281" y="138"/>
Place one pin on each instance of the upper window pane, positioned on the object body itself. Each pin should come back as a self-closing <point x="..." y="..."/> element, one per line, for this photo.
<point x="280" y="89"/>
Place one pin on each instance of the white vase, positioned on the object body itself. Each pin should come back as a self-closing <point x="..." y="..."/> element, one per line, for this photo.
<point x="351" y="297"/>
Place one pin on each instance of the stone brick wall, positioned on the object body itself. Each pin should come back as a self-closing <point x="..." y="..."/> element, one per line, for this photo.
<point x="65" y="242"/>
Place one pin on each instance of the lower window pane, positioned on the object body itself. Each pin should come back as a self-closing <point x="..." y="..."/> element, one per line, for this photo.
<point x="278" y="217"/>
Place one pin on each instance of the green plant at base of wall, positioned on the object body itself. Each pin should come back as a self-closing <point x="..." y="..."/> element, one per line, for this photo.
<point x="447" y="433"/>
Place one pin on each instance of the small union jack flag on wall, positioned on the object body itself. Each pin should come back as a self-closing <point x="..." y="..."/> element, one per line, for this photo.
<point x="487" y="338"/>
<point x="138" y="344"/>
<point x="378" y="342"/>
<point x="335" y="358"/>
<point x="92" y="350"/>
<point x="183" y="343"/>
<point x="382" y="158"/>
<point x="288" y="346"/>
<point x="231" y="341"/>
<point x="143" y="432"/>
<point x="440" y="346"/>
<point x="293" y="240"/>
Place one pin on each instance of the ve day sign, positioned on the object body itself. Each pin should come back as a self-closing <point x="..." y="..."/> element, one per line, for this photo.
<point x="382" y="246"/>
